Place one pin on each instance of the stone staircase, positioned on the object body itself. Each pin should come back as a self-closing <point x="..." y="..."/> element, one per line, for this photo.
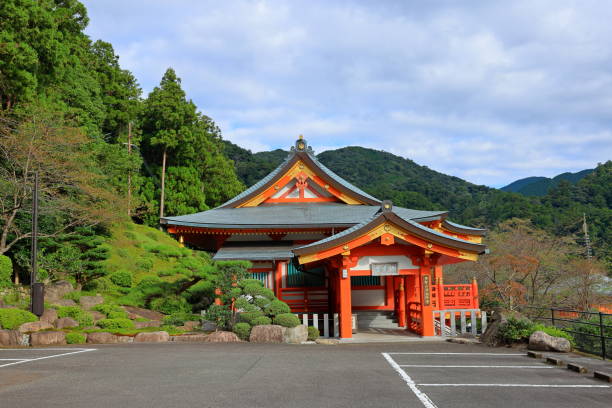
<point x="380" y="319"/>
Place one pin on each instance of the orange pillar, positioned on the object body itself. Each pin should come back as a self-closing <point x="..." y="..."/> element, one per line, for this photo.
<point x="346" y="318"/>
<point x="427" y="328"/>
<point x="278" y="278"/>
<point x="440" y="291"/>
<point x="389" y="291"/>
<point x="401" y="315"/>
<point x="475" y="300"/>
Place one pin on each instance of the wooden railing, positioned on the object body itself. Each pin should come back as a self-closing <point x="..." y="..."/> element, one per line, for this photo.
<point x="304" y="299"/>
<point x="454" y="296"/>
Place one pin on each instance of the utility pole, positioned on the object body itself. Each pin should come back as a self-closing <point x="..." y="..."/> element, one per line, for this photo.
<point x="37" y="294"/>
<point x="129" y="192"/>
<point x="587" y="241"/>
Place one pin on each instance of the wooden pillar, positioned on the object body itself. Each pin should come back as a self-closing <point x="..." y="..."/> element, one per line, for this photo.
<point x="427" y="328"/>
<point x="401" y="315"/>
<point x="345" y="312"/>
<point x="440" y="292"/>
<point x="389" y="291"/>
<point x="475" y="301"/>
<point x="278" y="278"/>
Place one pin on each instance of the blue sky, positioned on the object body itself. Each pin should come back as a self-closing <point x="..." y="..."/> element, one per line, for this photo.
<point x="489" y="91"/>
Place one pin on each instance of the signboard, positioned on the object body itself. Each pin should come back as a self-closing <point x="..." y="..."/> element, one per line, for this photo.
<point x="426" y="293"/>
<point x="384" y="269"/>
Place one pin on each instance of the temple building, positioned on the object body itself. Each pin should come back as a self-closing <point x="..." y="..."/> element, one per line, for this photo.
<point x="326" y="246"/>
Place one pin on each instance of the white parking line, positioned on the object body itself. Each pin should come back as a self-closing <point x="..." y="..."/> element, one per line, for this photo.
<point x="519" y="385"/>
<point x="464" y="354"/>
<point x="27" y="360"/>
<point x="475" y="366"/>
<point x="420" y="394"/>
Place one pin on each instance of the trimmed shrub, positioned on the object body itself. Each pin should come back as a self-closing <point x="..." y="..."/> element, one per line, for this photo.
<point x="144" y="263"/>
<point x="255" y="290"/>
<point x="313" y="333"/>
<point x="113" y="324"/>
<point x="278" y="307"/>
<point x="287" y="320"/>
<point x="242" y="330"/>
<point x="122" y="278"/>
<point x="108" y="308"/>
<point x="75" y="312"/>
<point x="179" y="319"/>
<point x="148" y="282"/>
<point x="75" y="338"/>
<point x="13" y="318"/>
<point x="515" y="330"/>
<point x="250" y="316"/>
<point x="261" y="320"/>
<point x="6" y="271"/>
<point x="118" y="314"/>
<point x="170" y="305"/>
<point x="123" y="253"/>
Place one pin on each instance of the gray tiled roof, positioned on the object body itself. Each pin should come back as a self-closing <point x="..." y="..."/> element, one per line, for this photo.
<point x="341" y="180"/>
<point x="291" y="215"/>
<point x="454" y="224"/>
<point x="253" y="253"/>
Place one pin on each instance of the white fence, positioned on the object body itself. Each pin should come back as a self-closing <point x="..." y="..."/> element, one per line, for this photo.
<point x="325" y="322"/>
<point x="442" y="329"/>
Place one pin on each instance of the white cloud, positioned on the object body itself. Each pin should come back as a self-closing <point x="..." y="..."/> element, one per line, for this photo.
<point x="487" y="91"/>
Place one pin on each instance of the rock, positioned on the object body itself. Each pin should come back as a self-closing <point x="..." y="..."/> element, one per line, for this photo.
<point x="97" y="315"/>
<point x="137" y="312"/>
<point x="34" y="327"/>
<point x="57" y="291"/>
<point x="189" y="338"/>
<point x="47" y="338"/>
<point x="150" y="323"/>
<point x="207" y="325"/>
<point x="192" y="325"/>
<point x="49" y="316"/>
<point x="295" y="335"/>
<point x="88" y="302"/>
<point x="267" y="333"/>
<point x="64" y="302"/>
<point x="544" y="342"/>
<point x="66" y="322"/>
<point x="222" y="337"/>
<point x="125" y="339"/>
<point x="152" y="337"/>
<point x="329" y="342"/>
<point x="9" y="338"/>
<point x="491" y="336"/>
<point x="102" y="338"/>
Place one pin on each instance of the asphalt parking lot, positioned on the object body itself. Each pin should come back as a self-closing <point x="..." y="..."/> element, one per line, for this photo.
<point x="258" y="375"/>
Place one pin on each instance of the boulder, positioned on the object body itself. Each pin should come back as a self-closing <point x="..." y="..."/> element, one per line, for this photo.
<point x="88" y="302"/>
<point x="66" y="323"/>
<point x="491" y="336"/>
<point x="192" y="325"/>
<point x="102" y="338"/>
<point x="207" y="325"/>
<point x="56" y="291"/>
<point x="10" y="338"/>
<point x="295" y="335"/>
<point x="49" y="316"/>
<point x="545" y="342"/>
<point x="189" y="338"/>
<point x="97" y="315"/>
<point x="64" y="302"/>
<point x="222" y="337"/>
<point x="136" y="312"/>
<point x="150" y="323"/>
<point x="48" y="338"/>
<point x="267" y="333"/>
<point x="34" y="327"/>
<point x="152" y="337"/>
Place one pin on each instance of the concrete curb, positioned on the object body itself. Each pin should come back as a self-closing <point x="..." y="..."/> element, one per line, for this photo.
<point x="600" y="375"/>
<point x="582" y="368"/>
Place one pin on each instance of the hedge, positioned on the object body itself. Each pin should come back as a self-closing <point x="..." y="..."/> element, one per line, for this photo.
<point x="75" y="338"/>
<point x="242" y="330"/>
<point x="11" y="319"/>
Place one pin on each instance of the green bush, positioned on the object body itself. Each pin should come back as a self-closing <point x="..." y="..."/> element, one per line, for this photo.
<point x="148" y="282"/>
<point x="145" y="263"/>
<point x="113" y="324"/>
<point x="313" y="333"/>
<point x="118" y="314"/>
<point x="242" y="330"/>
<point x="258" y="321"/>
<point x="108" y="308"/>
<point x="179" y="319"/>
<point x="78" y="314"/>
<point x="249" y="317"/>
<point x="6" y="271"/>
<point x="123" y="253"/>
<point x="519" y="330"/>
<point x="287" y="320"/>
<point x="13" y="318"/>
<point x="278" y="307"/>
<point x="166" y="251"/>
<point x="170" y="305"/>
<point x="257" y="290"/>
<point x="122" y="278"/>
<point x="75" y="338"/>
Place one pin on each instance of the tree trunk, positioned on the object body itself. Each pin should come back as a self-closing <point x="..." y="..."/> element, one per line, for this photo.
<point x="163" y="182"/>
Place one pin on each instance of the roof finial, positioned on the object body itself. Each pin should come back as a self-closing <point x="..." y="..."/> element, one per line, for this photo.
<point x="301" y="137"/>
<point x="387" y="206"/>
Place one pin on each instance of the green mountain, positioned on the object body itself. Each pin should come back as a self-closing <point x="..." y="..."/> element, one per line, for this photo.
<point x="539" y="186"/>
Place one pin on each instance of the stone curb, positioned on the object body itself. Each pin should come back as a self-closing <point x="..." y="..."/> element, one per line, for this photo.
<point x="600" y="375"/>
<point x="578" y="368"/>
<point x="555" y="361"/>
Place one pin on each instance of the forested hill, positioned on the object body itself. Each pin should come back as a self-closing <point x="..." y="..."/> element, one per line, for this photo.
<point x="408" y="184"/>
<point x="539" y="186"/>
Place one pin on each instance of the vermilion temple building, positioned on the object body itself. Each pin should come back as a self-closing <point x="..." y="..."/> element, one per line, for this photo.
<point x="325" y="246"/>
